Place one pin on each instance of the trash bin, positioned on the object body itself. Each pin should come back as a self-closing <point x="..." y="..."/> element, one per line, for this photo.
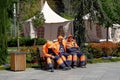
<point x="18" y="61"/>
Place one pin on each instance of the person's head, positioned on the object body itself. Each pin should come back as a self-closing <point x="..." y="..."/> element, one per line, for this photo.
<point x="70" y="38"/>
<point x="60" y="38"/>
<point x="49" y="43"/>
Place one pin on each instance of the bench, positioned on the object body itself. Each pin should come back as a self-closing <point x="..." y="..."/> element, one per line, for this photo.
<point x="41" y="59"/>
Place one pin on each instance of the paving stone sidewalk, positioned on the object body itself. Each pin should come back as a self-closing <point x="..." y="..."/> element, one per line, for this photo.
<point x="98" y="71"/>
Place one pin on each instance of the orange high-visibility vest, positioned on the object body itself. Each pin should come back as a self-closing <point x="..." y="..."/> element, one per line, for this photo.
<point x="45" y="49"/>
<point x="57" y="47"/>
<point x="70" y="44"/>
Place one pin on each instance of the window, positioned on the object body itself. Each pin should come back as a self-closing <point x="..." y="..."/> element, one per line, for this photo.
<point x="40" y="32"/>
<point x="60" y="31"/>
<point x="27" y="29"/>
<point x="98" y="31"/>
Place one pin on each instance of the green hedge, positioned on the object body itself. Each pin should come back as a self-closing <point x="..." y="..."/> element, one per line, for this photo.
<point x="12" y="42"/>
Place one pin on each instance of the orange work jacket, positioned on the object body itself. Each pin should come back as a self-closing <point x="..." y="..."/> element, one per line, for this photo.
<point x="70" y="44"/>
<point x="45" y="50"/>
<point x="56" y="47"/>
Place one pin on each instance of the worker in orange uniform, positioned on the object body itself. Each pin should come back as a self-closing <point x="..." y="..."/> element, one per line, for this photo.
<point x="48" y="54"/>
<point x="60" y="51"/>
<point x="73" y="49"/>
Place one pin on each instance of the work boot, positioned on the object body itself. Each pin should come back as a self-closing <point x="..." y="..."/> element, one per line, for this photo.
<point x="65" y="68"/>
<point x="69" y="68"/>
<point x="83" y="66"/>
<point x="74" y="66"/>
<point x="52" y="70"/>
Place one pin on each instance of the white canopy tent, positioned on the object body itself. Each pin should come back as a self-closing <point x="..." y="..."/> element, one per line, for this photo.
<point x="98" y="33"/>
<point x="52" y="23"/>
<point x="115" y="33"/>
<point x="51" y="16"/>
<point x="95" y="32"/>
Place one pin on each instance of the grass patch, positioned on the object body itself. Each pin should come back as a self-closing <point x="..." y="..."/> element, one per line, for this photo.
<point x="4" y="67"/>
<point x="101" y="60"/>
<point x="10" y="49"/>
<point x="31" y="65"/>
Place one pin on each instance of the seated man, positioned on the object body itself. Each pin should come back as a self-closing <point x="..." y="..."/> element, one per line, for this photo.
<point x="72" y="58"/>
<point x="60" y="51"/>
<point x="73" y="49"/>
<point x="48" y="54"/>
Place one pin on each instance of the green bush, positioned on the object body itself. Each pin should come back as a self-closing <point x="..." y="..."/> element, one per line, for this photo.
<point x="12" y="42"/>
<point x="85" y="50"/>
<point x="3" y="54"/>
<point x="29" y="42"/>
<point x="32" y="53"/>
<point x="25" y="41"/>
<point x="40" y="41"/>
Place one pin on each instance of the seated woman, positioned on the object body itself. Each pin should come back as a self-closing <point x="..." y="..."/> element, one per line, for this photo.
<point x="73" y="49"/>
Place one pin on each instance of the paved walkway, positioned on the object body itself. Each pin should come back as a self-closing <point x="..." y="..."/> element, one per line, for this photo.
<point x="99" y="71"/>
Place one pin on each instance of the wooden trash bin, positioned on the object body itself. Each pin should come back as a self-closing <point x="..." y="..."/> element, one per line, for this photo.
<point x="18" y="61"/>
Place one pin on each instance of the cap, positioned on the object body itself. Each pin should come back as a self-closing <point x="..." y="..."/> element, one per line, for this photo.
<point x="49" y="43"/>
<point x="60" y="37"/>
<point x="70" y="36"/>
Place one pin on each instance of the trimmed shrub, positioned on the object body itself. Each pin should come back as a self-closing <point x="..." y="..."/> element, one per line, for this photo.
<point x="109" y="48"/>
<point x="12" y="42"/>
<point x="25" y="41"/>
<point x="95" y="49"/>
<point x="31" y="53"/>
<point x="40" y="41"/>
<point x="118" y="49"/>
<point x="103" y="49"/>
<point x="85" y="50"/>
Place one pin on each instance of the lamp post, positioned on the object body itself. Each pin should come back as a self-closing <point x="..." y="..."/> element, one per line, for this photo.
<point x="14" y="12"/>
<point x="18" y="15"/>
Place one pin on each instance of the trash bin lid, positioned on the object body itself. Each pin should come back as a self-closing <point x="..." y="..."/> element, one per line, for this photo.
<point x="15" y="52"/>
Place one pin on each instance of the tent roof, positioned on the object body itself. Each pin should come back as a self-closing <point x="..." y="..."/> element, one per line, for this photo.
<point x="50" y="16"/>
<point x="86" y="17"/>
<point x="116" y="25"/>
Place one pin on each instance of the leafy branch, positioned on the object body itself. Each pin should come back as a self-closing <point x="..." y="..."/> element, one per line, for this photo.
<point x="38" y="20"/>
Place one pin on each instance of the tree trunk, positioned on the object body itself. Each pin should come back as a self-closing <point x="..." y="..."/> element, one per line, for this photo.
<point x="107" y="33"/>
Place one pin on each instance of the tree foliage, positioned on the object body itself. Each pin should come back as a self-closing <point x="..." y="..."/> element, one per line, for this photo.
<point x="111" y="8"/>
<point x="38" y="19"/>
<point x="28" y="8"/>
<point x="4" y="4"/>
<point x="103" y="11"/>
<point x="57" y="6"/>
